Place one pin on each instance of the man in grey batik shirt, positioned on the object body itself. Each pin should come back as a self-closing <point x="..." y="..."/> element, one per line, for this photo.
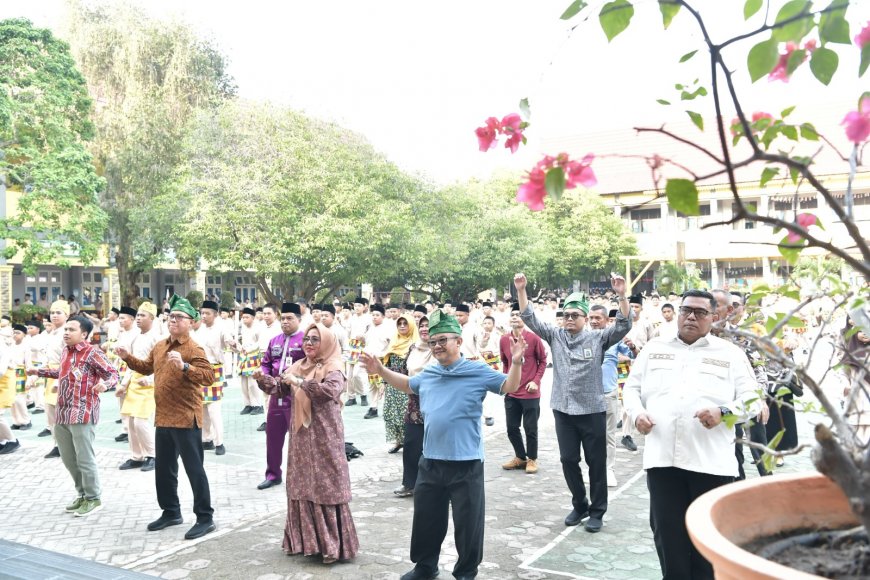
<point x="577" y="398"/>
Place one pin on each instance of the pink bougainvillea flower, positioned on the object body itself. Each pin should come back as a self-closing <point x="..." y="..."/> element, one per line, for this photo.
<point x="533" y="191"/>
<point x="580" y="172"/>
<point x="487" y="135"/>
<point x="810" y="45"/>
<point x="513" y="142"/>
<point x="863" y="37"/>
<point x="780" y="71"/>
<point x="511" y="123"/>
<point x="758" y="115"/>
<point x="858" y="122"/>
<point x="804" y="220"/>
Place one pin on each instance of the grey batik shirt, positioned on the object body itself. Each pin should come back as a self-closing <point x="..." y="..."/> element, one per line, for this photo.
<point x="577" y="358"/>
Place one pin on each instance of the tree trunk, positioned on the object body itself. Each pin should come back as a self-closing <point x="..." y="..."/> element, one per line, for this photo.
<point x="127" y="276"/>
<point x="266" y="292"/>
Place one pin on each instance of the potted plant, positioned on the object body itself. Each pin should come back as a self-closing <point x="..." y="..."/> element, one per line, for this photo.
<point x="781" y="39"/>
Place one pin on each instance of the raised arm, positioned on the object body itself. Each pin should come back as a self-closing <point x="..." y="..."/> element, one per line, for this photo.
<point x="374" y="366"/>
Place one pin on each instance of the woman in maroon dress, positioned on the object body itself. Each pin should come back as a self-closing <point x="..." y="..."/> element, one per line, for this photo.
<point x="318" y="483"/>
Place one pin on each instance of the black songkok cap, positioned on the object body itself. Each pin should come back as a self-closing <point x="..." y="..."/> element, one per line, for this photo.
<point x="635" y="299"/>
<point x="420" y="308"/>
<point x="129" y="311"/>
<point x="462" y="308"/>
<point x="210" y="304"/>
<point x="378" y="308"/>
<point x="291" y="308"/>
<point x="329" y="308"/>
<point x="250" y="311"/>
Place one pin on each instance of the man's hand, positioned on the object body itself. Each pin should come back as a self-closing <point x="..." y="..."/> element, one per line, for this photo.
<point x="100" y="387"/>
<point x="120" y="391"/>
<point x="628" y="342"/>
<point x="32" y="371"/>
<point x="520" y="282"/>
<point x="174" y="358"/>
<point x="617" y="282"/>
<point x="764" y="416"/>
<point x="518" y="347"/>
<point x="142" y="381"/>
<point x="257" y="375"/>
<point x="709" y="417"/>
<point x="532" y="387"/>
<point x="644" y="423"/>
<point x="371" y="363"/>
<point x="123" y="353"/>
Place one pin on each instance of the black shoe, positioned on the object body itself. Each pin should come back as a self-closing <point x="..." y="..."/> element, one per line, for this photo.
<point x="31" y="405"/>
<point x="256" y="410"/>
<point x="38" y="411"/>
<point x="199" y="529"/>
<point x="629" y="443"/>
<point x="44" y="433"/>
<point x="371" y="413"/>
<point x="122" y="438"/>
<point x="207" y="445"/>
<point x="261" y="427"/>
<point x="247" y="410"/>
<point x="25" y="427"/>
<point x="148" y="464"/>
<point x="12" y="446"/>
<point x="164" y="522"/>
<point x="363" y="400"/>
<point x="350" y="402"/>
<point x="619" y="424"/>
<point x="119" y="421"/>
<point x="131" y="464"/>
<point x="576" y="517"/>
<point x="489" y="421"/>
<point x="220" y="450"/>
<point x="403" y="491"/>
<point x="395" y="448"/>
<point x="418" y="574"/>
<point x="51" y="454"/>
<point x="269" y="483"/>
<point x="15" y="427"/>
<point x="593" y="525"/>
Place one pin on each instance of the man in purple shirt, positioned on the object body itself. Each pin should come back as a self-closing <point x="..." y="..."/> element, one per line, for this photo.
<point x="282" y="352"/>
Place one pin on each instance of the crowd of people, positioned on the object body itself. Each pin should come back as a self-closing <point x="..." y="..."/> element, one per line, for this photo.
<point x="664" y="367"/>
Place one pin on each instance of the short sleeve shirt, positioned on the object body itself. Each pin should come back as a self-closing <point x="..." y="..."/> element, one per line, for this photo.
<point x="451" y="400"/>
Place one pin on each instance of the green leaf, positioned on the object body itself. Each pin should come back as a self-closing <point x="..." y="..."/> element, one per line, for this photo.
<point x="750" y="8"/>
<point x="525" y="111"/>
<point x="697" y="119"/>
<point x="573" y="9"/>
<point x="782" y="392"/>
<point x="615" y="17"/>
<point x="865" y="60"/>
<point x="824" y="63"/>
<point x="790" y="131"/>
<point x="796" y="29"/>
<point x="683" y="196"/>
<point x="808" y="132"/>
<point x="768" y="174"/>
<point x="669" y="9"/>
<point x="730" y="420"/>
<point x="776" y="439"/>
<point x="687" y="56"/>
<point x="555" y="182"/>
<point x="787" y="111"/>
<point x="762" y="58"/>
<point x="663" y="102"/>
<point x="833" y="26"/>
<point x="795" y="59"/>
<point x="790" y="252"/>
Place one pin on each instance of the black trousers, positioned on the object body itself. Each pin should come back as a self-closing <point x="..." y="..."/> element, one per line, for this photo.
<point x="590" y="432"/>
<point x="440" y="484"/>
<point x="169" y="443"/>
<point x="411" y="453"/>
<point x="671" y="490"/>
<point x="525" y="412"/>
<point x="757" y="434"/>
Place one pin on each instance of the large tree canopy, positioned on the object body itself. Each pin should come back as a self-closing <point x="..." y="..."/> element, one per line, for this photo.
<point x="44" y="123"/>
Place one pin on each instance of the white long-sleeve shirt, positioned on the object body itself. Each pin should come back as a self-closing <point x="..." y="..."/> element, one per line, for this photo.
<point x="670" y="381"/>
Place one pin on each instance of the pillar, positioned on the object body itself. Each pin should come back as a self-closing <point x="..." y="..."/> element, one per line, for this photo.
<point x="5" y="289"/>
<point x="111" y="289"/>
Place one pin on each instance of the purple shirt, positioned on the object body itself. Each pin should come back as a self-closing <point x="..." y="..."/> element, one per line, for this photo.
<point x="281" y="353"/>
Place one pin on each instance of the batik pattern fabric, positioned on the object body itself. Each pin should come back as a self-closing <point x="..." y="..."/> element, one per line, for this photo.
<point x="395" y="402"/>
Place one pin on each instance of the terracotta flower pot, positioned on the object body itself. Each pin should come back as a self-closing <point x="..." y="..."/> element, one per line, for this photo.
<point x="722" y="520"/>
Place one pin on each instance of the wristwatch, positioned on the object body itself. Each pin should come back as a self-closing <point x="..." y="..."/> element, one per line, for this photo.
<point x="185" y="367"/>
<point x="725" y="411"/>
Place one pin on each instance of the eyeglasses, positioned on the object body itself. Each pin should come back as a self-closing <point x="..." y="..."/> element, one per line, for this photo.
<point x="442" y="342"/>
<point x="311" y="339"/>
<point x="177" y="317"/>
<point x="698" y="312"/>
<point x="573" y="315"/>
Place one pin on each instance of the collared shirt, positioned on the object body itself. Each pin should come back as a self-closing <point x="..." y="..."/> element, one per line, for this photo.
<point x="281" y="353"/>
<point x="177" y="394"/>
<point x="142" y="345"/>
<point x="469" y="342"/>
<point x="609" y="373"/>
<point x="268" y="332"/>
<point x="359" y="324"/>
<point x="451" y="400"/>
<point x="378" y="339"/>
<point x="54" y="345"/>
<point x="577" y="359"/>
<point x="671" y="381"/>
<point x="213" y="340"/>
<point x="250" y="336"/>
<point x="81" y="367"/>
<point x="534" y="363"/>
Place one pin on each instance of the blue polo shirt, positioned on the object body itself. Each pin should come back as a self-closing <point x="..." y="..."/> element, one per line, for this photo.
<point x="451" y="400"/>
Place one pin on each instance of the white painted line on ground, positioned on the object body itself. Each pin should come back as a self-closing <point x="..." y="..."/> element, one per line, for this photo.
<point x="527" y="563"/>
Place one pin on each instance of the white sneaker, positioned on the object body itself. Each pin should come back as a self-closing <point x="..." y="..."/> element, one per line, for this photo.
<point x="611" y="478"/>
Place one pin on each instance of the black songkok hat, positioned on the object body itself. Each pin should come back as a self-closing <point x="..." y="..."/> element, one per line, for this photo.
<point x="463" y="308"/>
<point x="378" y="308"/>
<point x="362" y="301"/>
<point x="420" y="308"/>
<point x="115" y="310"/>
<point x="20" y="328"/>
<point x="515" y="306"/>
<point x="612" y="313"/>
<point x="487" y="303"/>
<point x="250" y="311"/>
<point x="210" y="304"/>
<point x="635" y="299"/>
<point x="129" y="311"/>
<point x="291" y="308"/>
<point x="329" y="308"/>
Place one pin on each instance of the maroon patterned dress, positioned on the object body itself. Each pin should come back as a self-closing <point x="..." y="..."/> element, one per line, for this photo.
<point x="318" y="482"/>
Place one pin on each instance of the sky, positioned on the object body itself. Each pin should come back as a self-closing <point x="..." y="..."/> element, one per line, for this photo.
<point x="416" y="78"/>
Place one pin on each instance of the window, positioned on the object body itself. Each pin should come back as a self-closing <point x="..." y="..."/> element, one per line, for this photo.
<point x="743" y="224"/>
<point x="245" y="289"/>
<point x="144" y="284"/>
<point x="693" y="222"/>
<point x="645" y="220"/>
<point x="44" y="282"/>
<point x="92" y="287"/>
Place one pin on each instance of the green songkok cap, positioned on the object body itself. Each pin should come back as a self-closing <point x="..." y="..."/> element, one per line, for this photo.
<point x="575" y="300"/>
<point x="441" y="323"/>
<point x="179" y="304"/>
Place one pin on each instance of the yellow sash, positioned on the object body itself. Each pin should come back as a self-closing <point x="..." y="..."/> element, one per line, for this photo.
<point x="139" y="401"/>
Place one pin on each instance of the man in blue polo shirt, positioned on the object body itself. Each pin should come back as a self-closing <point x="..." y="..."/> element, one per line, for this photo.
<point x="451" y="469"/>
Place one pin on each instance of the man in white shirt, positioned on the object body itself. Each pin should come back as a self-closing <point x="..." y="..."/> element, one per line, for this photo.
<point x="357" y="327"/>
<point x="377" y="339"/>
<point x="680" y="394"/>
<point x="668" y="327"/>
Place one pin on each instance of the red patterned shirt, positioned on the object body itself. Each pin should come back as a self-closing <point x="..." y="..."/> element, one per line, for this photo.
<point x="81" y="367"/>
